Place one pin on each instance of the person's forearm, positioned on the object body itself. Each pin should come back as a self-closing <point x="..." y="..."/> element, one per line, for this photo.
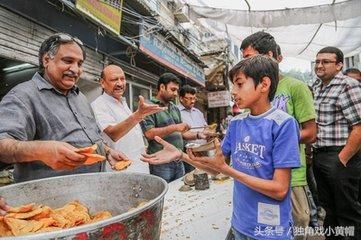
<point x="121" y="129"/>
<point x="353" y="144"/>
<point x="161" y="131"/>
<point x="189" y="135"/>
<point x="308" y="132"/>
<point x="13" y="151"/>
<point x="276" y="189"/>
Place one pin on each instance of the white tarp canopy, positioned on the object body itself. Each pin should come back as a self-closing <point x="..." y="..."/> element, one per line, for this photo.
<point x="301" y="28"/>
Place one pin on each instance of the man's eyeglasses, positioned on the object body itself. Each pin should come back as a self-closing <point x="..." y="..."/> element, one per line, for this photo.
<point x="190" y="98"/>
<point x="64" y="38"/>
<point x="323" y="62"/>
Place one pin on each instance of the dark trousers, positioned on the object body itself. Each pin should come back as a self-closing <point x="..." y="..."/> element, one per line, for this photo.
<point x="188" y="168"/>
<point x="339" y="191"/>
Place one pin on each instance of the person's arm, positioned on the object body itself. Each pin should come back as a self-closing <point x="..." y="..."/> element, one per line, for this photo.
<point x="165" y="131"/>
<point x="57" y="155"/>
<point x="170" y="153"/>
<point x="3" y="206"/>
<point x="304" y="112"/>
<point x="275" y="188"/>
<point x="113" y="156"/>
<point x="308" y="131"/>
<point x="117" y="131"/>
<point x="353" y="144"/>
<point x="350" y="102"/>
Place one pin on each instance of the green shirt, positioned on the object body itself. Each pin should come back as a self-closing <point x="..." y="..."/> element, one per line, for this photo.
<point x="162" y="119"/>
<point x="294" y="97"/>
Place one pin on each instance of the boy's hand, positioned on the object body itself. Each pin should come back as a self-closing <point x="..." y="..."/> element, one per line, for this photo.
<point x="167" y="154"/>
<point x="217" y="162"/>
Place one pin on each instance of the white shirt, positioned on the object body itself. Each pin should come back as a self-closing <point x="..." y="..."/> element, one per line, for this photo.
<point x="194" y="118"/>
<point x="109" y="111"/>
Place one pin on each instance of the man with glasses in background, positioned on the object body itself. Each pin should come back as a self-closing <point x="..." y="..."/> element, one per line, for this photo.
<point x="337" y="155"/>
<point x="45" y="120"/>
<point x="192" y="116"/>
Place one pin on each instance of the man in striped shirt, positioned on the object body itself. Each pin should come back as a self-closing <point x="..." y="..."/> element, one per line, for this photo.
<point x="337" y="155"/>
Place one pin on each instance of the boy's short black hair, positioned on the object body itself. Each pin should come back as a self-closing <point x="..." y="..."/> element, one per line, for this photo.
<point x="257" y="67"/>
<point x="335" y="50"/>
<point x="187" y="89"/>
<point x="262" y="42"/>
<point x="166" y="78"/>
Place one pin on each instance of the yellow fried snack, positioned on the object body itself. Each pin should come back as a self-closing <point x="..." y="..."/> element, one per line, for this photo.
<point x="100" y="216"/>
<point x="31" y="218"/>
<point x="212" y="126"/>
<point x="120" y="165"/>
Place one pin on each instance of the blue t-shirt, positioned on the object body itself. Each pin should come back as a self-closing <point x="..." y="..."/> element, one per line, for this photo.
<point x="257" y="146"/>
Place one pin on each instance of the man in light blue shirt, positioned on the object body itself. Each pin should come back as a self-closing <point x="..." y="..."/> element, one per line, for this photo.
<point x="191" y="115"/>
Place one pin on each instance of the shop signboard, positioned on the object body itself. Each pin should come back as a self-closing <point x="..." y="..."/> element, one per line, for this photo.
<point x="166" y="53"/>
<point x="106" y="12"/>
<point x="218" y="99"/>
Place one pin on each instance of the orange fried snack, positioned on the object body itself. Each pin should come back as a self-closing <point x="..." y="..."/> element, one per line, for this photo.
<point x="4" y="229"/>
<point x="123" y="164"/>
<point x="31" y="218"/>
<point x="89" y="149"/>
<point x="22" y="209"/>
<point x="92" y="158"/>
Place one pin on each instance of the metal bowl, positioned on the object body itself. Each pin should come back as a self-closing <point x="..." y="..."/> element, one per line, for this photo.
<point x="111" y="191"/>
<point x="202" y="149"/>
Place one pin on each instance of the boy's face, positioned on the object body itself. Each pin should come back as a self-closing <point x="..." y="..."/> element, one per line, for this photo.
<point x="244" y="92"/>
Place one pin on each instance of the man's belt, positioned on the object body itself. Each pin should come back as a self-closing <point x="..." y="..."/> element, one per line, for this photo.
<point x="328" y="149"/>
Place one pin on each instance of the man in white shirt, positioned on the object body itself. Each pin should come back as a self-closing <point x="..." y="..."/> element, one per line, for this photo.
<point x="191" y="115"/>
<point x="120" y="128"/>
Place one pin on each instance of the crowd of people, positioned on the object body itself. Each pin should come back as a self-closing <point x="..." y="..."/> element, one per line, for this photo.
<point x="45" y="120"/>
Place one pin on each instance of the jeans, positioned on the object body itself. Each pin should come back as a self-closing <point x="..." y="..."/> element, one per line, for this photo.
<point x="168" y="171"/>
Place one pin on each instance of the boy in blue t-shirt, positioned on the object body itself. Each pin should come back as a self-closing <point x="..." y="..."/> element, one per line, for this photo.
<point x="263" y="147"/>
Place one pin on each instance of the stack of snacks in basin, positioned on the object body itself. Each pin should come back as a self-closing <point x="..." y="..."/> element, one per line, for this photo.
<point x="32" y="218"/>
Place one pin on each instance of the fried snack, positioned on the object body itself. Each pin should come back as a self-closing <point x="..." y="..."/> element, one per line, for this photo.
<point x="45" y="213"/>
<point x="31" y="218"/>
<point x="120" y="165"/>
<point x="25" y="215"/>
<point x="93" y="158"/>
<point x="22" y="209"/>
<point x="100" y="216"/>
<point x="89" y="149"/>
<point x="4" y="229"/>
<point x="212" y="126"/>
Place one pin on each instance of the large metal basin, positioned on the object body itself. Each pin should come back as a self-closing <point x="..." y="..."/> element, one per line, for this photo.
<point x="115" y="192"/>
